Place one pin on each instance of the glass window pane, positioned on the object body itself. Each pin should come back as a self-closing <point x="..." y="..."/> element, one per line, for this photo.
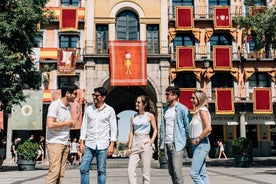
<point x="183" y="2"/>
<point x="102" y="38"/>
<point x="222" y="80"/>
<point x="185" y="80"/>
<point x="259" y="80"/>
<point x="127" y="26"/>
<point x="70" y="2"/>
<point x="153" y="38"/>
<point x="69" y="41"/>
<point x="219" y="2"/>
<point x="38" y="41"/>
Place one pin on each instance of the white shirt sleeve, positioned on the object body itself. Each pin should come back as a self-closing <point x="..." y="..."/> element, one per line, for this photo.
<point x="113" y="126"/>
<point x="83" y="131"/>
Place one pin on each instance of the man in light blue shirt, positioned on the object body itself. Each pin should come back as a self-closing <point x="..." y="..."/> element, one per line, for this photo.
<point x="98" y="135"/>
<point x="174" y="132"/>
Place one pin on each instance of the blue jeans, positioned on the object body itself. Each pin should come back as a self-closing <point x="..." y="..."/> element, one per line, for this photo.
<point x="86" y="160"/>
<point x="198" y="167"/>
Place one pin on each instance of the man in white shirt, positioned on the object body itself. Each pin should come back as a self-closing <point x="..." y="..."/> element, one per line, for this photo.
<point x="57" y="133"/>
<point x="98" y="135"/>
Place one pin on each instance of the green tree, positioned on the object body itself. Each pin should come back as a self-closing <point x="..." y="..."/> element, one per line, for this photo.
<point x="122" y="146"/>
<point x="19" y="20"/>
<point x="261" y="23"/>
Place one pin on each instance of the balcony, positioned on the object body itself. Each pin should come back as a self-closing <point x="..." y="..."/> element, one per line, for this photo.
<point x="206" y="12"/>
<point x="58" y="11"/>
<point x="248" y="98"/>
<point x="100" y="46"/>
<point x="50" y="55"/>
<point x="205" y="51"/>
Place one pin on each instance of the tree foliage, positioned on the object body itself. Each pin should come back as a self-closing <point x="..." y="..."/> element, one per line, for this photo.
<point x="19" y="20"/>
<point x="262" y="24"/>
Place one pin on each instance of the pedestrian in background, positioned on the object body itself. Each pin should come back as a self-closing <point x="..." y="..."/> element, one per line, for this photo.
<point x="74" y="151"/>
<point x="98" y="136"/>
<point x="41" y="149"/>
<point x="200" y="128"/>
<point x="58" y="127"/>
<point x="221" y="149"/>
<point x="140" y="143"/>
<point x="13" y="150"/>
<point x="174" y="132"/>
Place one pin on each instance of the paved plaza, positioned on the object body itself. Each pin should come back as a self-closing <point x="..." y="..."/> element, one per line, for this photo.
<point x="221" y="171"/>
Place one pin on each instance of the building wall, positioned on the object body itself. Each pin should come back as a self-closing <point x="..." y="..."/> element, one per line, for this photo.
<point x="94" y="68"/>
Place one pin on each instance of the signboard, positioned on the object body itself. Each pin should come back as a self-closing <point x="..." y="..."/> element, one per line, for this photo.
<point x="250" y="119"/>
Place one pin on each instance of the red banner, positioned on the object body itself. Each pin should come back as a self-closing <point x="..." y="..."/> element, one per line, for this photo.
<point x="128" y="63"/>
<point x="262" y="101"/>
<point x="224" y="101"/>
<point x="222" y="56"/>
<point x="66" y="61"/>
<point x="184" y="18"/>
<point x="185" y="97"/>
<point x="185" y="58"/>
<point x="69" y="19"/>
<point x="222" y="17"/>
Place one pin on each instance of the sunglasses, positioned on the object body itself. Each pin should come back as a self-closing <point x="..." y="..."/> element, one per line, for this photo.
<point x="96" y="95"/>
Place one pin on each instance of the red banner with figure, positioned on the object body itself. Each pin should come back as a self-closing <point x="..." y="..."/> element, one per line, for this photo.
<point x="66" y="61"/>
<point x="184" y="18"/>
<point x="262" y="103"/>
<point x="128" y="63"/>
<point x="185" y="58"/>
<point x="185" y="97"/>
<point x="222" y="56"/>
<point x="69" y="19"/>
<point x="222" y="18"/>
<point x="224" y="101"/>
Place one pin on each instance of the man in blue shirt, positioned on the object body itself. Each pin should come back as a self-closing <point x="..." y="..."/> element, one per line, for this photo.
<point x="174" y="132"/>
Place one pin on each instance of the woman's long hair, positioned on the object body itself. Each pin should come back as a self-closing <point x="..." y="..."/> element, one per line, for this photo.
<point x="149" y="105"/>
<point x="201" y="98"/>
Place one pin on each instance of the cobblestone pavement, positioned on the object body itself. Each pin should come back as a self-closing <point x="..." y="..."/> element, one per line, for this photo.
<point x="221" y="171"/>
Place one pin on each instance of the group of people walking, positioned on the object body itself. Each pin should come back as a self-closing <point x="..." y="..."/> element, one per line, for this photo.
<point x="99" y="131"/>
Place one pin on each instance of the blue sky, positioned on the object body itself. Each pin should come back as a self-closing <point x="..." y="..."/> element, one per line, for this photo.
<point x="123" y="125"/>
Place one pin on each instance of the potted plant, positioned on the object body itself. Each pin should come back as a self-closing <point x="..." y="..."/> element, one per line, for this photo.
<point x="242" y="150"/>
<point x="27" y="152"/>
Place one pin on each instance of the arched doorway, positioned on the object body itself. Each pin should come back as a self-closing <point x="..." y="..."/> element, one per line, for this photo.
<point x="123" y="98"/>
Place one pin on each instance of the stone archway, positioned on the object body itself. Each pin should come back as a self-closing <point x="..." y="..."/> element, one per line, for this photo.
<point x="123" y="98"/>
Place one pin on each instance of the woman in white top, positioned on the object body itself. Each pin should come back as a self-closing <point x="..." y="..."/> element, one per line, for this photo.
<point x="200" y="128"/>
<point x="221" y="149"/>
<point x="140" y="143"/>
